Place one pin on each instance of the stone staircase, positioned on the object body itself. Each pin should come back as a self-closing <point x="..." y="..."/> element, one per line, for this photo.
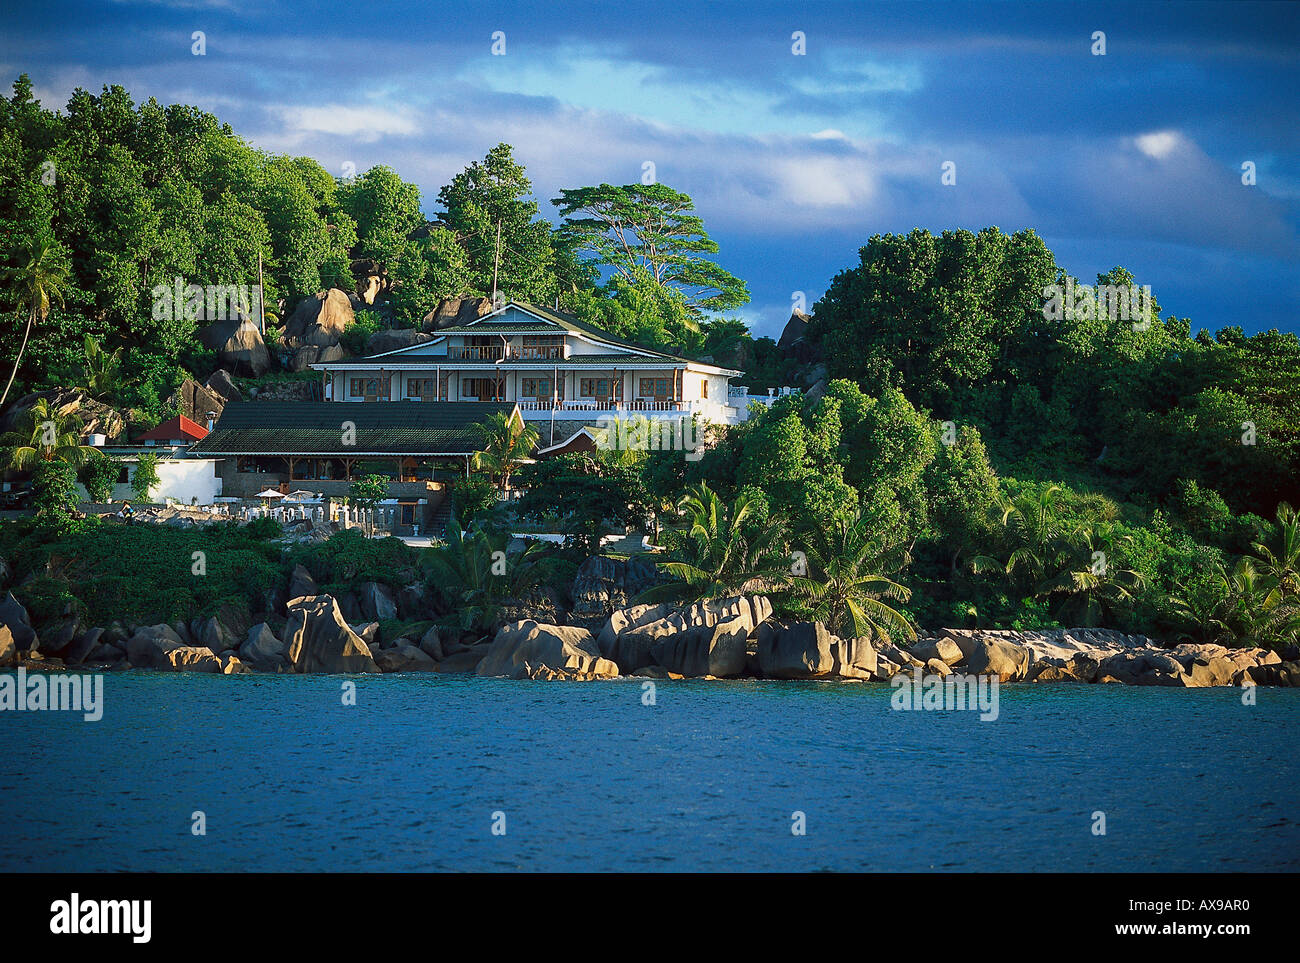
<point x="437" y="525"/>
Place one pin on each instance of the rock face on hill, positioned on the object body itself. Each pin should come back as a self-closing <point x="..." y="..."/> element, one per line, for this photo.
<point x="792" y="335"/>
<point x="221" y="383"/>
<point x="319" y="320"/>
<point x="390" y="339"/>
<point x="94" y="416"/>
<point x="452" y="312"/>
<point x="372" y="280"/>
<point x="196" y="401"/>
<point x="309" y="354"/>
<point x="239" y="347"/>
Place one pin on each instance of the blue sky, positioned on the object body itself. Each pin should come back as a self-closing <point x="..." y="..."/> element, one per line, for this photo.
<point x="1131" y="158"/>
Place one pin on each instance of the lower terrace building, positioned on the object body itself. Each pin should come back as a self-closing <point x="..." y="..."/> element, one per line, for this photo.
<point x="321" y="447"/>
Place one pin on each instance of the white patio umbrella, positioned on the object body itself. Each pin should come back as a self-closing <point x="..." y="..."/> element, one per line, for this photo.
<point x="269" y="493"/>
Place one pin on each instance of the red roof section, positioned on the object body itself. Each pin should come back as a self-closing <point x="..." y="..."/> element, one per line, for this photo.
<point x="178" y="427"/>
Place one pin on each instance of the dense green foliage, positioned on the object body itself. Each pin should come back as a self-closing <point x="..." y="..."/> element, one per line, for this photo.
<point x="108" y="199"/>
<point x="581" y="497"/>
<point x="474" y="575"/>
<point x="54" y="491"/>
<point x="137" y="573"/>
<point x="957" y="322"/>
<point x="348" y="558"/>
<point x="983" y="451"/>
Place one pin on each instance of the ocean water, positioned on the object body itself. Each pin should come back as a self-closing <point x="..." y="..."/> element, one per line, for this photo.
<point x="587" y="778"/>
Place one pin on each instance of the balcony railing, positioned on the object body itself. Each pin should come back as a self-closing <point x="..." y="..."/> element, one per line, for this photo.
<point x="591" y="404"/>
<point x="493" y="352"/>
<point x="496" y="352"/>
<point x="555" y="352"/>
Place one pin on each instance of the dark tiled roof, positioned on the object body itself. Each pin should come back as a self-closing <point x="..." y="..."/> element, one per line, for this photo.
<point x="558" y="319"/>
<point x="316" y="428"/>
<point x="494" y="326"/>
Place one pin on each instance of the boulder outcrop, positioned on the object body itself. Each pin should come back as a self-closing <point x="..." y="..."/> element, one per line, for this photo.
<point x="319" y="641"/>
<point x="148" y="646"/>
<point x="523" y="647"/>
<point x="14" y="617"/>
<point x="1010" y="663"/>
<point x="454" y="312"/>
<point x="319" y="320"/>
<point x="263" y="651"/>
<point x="239" y="346"/>
<point x="602" y="585"/>
<point x="718" y="650"/>
<point x="808" y="650"/>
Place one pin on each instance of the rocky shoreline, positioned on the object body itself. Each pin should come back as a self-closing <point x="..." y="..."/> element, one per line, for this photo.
<point x="716" y="639"/>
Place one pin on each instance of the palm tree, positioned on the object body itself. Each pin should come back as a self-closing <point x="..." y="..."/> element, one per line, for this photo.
<point x="1040" y="540"/>
<point x="1091" y="593"/>
<point x="476" y="578"/>
<point x="507" y="443"/>
<point x="1247" y="609"/>
<point x="610" y="442"/>
<point x="848" y="590"/>
<point x="718" y="556"/>
<point x="52" y="437"/>
<point x="36" y="282"/>
<point x="1283" y="566"/>
<point x="102" y="371"/>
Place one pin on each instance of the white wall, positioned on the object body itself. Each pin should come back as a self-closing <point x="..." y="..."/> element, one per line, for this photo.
<point x="182" y="479"/>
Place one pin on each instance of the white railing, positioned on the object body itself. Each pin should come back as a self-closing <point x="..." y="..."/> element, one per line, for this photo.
<point x="637" y="404"/>
<point x="491" y="352"/>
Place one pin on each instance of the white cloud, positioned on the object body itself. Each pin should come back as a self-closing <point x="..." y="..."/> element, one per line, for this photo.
<point x="1159" y="144"/>
<point x="365" y="124"/>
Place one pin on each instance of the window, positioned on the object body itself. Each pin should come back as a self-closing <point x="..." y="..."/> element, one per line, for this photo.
<point x="421" y="388"/>
<point x="122" y="478"/>
<point x="704" y="387"/>
<point x="484" y="389"/>
<point x="408" y="513"/>
<point x="536" y="387"/>
<point x="367" y="388"/>
<point x="654" y="388"/>
<point x="595" y="387"/>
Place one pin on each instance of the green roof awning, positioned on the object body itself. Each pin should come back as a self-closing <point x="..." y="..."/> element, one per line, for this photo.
<point x="376" y="428"/>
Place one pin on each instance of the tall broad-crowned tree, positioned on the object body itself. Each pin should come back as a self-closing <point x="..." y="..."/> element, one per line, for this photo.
<point x="650" y="229"/>
<point x="490" y="208"/>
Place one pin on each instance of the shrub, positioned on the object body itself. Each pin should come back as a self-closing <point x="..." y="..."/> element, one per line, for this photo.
<point x="54" y="490"/>
<point x="472" y="497"/>
<point x="349" y="557"/>
<point x="145" y="477"/>
<point x="99" y="475"/>
<point x="358" y="333"/>
<point x="263" y="529"/>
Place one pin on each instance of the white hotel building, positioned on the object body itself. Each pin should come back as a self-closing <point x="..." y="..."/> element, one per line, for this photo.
<point x="549" y="363"/>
